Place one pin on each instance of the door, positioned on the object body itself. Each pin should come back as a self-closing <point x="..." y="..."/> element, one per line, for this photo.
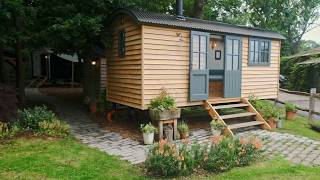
<point x="199" y="73"/>
<point x="232" y="73"/>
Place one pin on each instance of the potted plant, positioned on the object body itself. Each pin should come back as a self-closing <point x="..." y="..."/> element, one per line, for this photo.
<point x="271" y="114"/>
<point x="183" y="130"/>
<point x="280" y="123"/>
<point x="216" y="127"/>
<point x="291" y="111"/>
<point x="163" y="107"/>
<point x="148" y="131"/>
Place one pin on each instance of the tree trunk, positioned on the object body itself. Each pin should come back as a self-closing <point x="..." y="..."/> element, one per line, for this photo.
<point x="198" y="8"/>
<point x="20" y="73"/>
<point x="2" y="75"/>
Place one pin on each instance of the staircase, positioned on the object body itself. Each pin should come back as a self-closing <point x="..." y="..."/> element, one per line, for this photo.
<point x="247" y="116"/>
<point x="37" y="82"/>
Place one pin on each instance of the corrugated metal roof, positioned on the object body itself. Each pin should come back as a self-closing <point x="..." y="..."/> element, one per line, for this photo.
<point x="144" y="17"/>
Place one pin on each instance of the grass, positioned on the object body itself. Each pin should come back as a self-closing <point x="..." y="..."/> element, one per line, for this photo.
<point x="44" y="158"/>
<point x="299" y="126"/>
<point x="271" y="169"/>
<point x="39" y="158"/>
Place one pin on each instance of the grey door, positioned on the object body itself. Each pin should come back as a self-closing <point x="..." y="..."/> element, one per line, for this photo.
<point x="232" y="73"/>
<point x="199" y="73"/>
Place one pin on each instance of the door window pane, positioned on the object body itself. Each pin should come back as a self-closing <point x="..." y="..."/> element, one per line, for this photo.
<point x="235" y="64"/>
<point x="195" y="61"/>
<point x="228" y="62"/>
<point x="203" y="61"/>
<point x="229" y="46"/>
<point x="195" y="43"/>
<point x="203" y="44"/>
<point x="235" y="47"/>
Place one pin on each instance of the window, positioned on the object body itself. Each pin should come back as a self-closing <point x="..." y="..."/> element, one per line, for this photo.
<point x="199" y="51"/>
<point x="259" y="52"/>
<point x="232" y="54"/>
<point x="122" y="44"/>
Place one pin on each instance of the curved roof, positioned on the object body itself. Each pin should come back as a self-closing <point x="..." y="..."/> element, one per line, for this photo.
<point x="143" y="17"/>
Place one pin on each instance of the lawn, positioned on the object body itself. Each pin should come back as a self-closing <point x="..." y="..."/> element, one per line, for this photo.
<point x="300" y="126"/>
<point x="43" y="158"/>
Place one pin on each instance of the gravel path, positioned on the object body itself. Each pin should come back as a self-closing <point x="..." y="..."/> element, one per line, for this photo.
<point x="293" y="148"/>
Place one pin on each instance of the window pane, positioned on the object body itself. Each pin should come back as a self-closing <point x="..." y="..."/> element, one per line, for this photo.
<point x="256" y="46"/>
<point x="203" y="62"/>
<point x="261" y="45"/>
<point x="195" y="61"/>
<point x="229" y="62"/>
<point x="262" y="56"/>
<point x="266" y="57"/>
<point x="235" y="64"/>
<point x="251" y="45"/>
<point x="203" y="44"/>
<point x="235" y="47"/>
<point x="195" y="41"/>
<point x="267" y="45"/>
<point x="229" y="46"/>
<point x="251" y="56"/>
<point x="256" y="57"/>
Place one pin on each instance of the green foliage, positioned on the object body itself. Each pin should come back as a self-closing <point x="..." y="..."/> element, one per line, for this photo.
<point x="163" y="102"/>
<point x="55" y="128"/>
<point x="7" y="130"/>
<point x="217" y="125"/>
<point x="315" y="124"/>
<point x="266" y="108"/>
<point x="30" y="118"/>
<point x="226" y="153"/>
<point x="183" y="127"/>
<point x="290" y="107"/>
<point x="148" y="128"/>
<point x="165" y="159"/>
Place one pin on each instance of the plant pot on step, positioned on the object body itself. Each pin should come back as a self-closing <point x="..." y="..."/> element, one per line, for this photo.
<point x="184" y="135"/>
<point x="158" y="115"/>
<point x="272" y="123"/>
<point x="215" y="132"/>
<point x="291" y="115"/>
<point x="280" y="123"/>
<point x="148" y="138"/>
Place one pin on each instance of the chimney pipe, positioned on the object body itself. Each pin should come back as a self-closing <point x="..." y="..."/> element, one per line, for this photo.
<point x="179" y="9"/>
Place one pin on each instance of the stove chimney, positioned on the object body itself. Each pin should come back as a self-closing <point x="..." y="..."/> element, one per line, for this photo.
<point x="179" y="9"/>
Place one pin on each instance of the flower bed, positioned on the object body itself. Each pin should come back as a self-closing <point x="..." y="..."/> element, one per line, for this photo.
<point x="220" y="155"/>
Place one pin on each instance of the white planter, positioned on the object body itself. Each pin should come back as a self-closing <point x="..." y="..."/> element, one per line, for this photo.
<point x="148" y="138"/>
<point x="215" y="132"/>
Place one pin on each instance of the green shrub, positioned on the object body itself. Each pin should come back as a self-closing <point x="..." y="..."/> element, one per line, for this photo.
<point x="290" y="107"/>
<point x="169" y="160"/>
<point x="7" y="130"/>
<point x="30" y="118"/>
<point x="315" y="124"/>
<point x="148" y="128"/>
<point x="183" y="127"/>
<point x="217" y="125"/>
<point x="226" y="153"/>
<point x="266" y="108"/>
<point x="165" y="159"/>
<point x="54" y="128"/>
<point x="163" y="102"/>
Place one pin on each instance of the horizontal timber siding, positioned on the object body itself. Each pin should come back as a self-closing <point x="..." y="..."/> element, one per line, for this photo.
<point x="166" y="64"/>
<point x="261" y="81"/>
<point x="124" y="75"/>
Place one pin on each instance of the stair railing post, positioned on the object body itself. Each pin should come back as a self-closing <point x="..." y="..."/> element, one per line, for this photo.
<point x="313" y="92"/>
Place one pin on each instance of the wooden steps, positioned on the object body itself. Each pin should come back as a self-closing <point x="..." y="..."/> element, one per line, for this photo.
<point x="246" y="116"/>
<point x="238" y="115"/>
<point x="245" y="124"/>
<point x="230" y="106"/>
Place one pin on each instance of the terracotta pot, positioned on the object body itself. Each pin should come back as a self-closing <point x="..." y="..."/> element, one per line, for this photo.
<point x="183" y="135"/>
<point x="291" y="115"/>
<point x="272" y="123"/>
<point x="93" y="107"/>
